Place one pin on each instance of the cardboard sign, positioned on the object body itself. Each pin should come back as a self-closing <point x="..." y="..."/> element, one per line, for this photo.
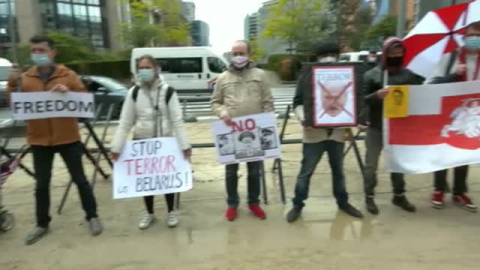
<point x="250" y="138"/>
<point x="40" y="105"/>
<point x="396" y="102"/>
<point x="151" y="167"/>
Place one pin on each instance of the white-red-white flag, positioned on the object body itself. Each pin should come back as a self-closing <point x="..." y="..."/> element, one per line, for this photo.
<point x="442" y="129"/>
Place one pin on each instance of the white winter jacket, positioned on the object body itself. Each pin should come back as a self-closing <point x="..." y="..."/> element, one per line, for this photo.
<point x="140" y="115"/>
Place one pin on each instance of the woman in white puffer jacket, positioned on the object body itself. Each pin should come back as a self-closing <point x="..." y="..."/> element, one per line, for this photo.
<point x="152" y="109"/>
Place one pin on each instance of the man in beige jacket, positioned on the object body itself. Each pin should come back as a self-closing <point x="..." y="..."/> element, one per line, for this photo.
<point x="242" y="90"/>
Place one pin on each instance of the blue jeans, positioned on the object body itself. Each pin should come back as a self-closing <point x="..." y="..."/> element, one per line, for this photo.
<point x="253" y="182"/>
<point x="312" y="154"/>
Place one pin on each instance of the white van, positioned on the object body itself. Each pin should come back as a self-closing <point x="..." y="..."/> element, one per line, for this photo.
<point x="360" y="56"/>
<point x="187" y="69"/>
<point x="5" y="70"/>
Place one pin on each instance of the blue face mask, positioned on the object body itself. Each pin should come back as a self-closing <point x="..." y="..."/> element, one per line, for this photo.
<point x="40" y="59"/>
<point x="146" y="75"/>
<point x="472" y="43"/>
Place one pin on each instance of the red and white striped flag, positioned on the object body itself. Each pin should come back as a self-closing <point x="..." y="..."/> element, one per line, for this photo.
<point x="442" y="129"/>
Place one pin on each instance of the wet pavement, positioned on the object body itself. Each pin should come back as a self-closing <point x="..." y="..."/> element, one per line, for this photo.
<point x="323" y="239"/>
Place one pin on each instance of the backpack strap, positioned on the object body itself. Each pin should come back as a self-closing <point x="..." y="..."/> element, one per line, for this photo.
<point x="168" y="96"/>
<point x="136" y="88"/>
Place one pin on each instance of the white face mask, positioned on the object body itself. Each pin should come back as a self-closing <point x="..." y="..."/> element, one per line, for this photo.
<point x="328" y="59"/>
<point x="240" y="62"/>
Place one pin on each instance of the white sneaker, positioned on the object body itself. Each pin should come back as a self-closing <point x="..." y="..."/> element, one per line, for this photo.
<point x="146" y="221"/>
<point x="172" y="220"/>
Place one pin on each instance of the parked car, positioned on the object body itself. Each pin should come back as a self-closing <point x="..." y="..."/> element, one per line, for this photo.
<point x="5" y="69"/>
<point x="107" y="92"/>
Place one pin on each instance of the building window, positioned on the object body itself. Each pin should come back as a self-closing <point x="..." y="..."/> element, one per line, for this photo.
<point x="77" y="17"/>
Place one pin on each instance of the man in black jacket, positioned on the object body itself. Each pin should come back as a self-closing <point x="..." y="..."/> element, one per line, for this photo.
<point x="375" y="91"/>
<point x="316" y="142"/>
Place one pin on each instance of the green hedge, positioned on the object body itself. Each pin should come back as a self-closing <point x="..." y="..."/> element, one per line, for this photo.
<point x="114" y="69"/>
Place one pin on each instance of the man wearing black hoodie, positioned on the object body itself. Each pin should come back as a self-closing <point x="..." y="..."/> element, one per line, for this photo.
<point x="375" y="91"/>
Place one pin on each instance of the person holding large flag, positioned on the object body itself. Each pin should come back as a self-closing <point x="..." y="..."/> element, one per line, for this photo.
<point x="389" y="72"/>
<point x="53" y="135"/>
<point x="242" y="90"/>
<point x="458" y="66"/>
<point x="316" y="142"/>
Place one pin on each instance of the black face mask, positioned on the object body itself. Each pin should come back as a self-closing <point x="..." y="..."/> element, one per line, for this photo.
<point x="395" y="61"/>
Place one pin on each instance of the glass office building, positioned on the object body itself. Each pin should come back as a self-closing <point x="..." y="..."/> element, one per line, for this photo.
<point x="82" y="18"/>
<point x="5" y="20"/>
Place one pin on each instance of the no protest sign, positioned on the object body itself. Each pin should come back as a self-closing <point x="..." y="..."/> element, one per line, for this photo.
<point x="40" y="105"/>
<point x="151" y="167"/>
<point x="250" y="138"/>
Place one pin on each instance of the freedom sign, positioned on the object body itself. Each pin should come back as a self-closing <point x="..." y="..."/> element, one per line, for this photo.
<point x="40" y="105"/>
<point x="250" y="138"/>
<point x="151" y="167"/>
<point x="441" y="130"/>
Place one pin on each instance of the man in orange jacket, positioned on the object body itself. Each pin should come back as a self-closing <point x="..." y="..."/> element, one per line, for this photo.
<point x="53" y="135"/>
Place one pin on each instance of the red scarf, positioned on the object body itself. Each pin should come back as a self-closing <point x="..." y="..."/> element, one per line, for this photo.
<point x="463" y="61"/>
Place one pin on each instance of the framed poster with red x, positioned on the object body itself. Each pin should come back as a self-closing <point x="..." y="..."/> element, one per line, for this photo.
<point x="332" y="94"/>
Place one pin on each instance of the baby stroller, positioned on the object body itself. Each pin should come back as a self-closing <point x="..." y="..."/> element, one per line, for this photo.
<point x="7" y="168"/>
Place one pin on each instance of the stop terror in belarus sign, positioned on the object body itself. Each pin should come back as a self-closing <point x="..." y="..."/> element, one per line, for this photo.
<point x="151" y="167"/>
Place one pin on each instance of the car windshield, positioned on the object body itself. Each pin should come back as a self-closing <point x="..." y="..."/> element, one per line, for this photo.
<point x="110" y="83"/>
<point x="4" y="73"/>
<point x="345" y="58"/>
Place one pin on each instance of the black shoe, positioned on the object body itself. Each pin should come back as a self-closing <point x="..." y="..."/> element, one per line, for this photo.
<point x="294" y="213"/>
<point x="351" y="211"/>
<point x="371" y="206"/>
<point x="402" y="202"/>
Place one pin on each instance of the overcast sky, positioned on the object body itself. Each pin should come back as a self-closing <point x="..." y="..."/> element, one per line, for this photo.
<point x="225" y="18"/>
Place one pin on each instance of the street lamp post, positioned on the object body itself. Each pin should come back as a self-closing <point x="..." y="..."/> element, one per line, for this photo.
<point x="12" y="32"/>
<point x="401" y="21"/>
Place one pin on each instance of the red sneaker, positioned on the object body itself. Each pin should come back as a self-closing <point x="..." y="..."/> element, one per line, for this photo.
<point x="231" y="213"/>
<point x="465" y="201"/>
<point x="437" y="200"/>
<point x="257" y="211"/>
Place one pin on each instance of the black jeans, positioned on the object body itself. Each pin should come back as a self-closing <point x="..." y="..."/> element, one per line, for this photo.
<point x="312" y="154"/>
<point x="231" y="179"/>
<point x="169" y="198"/>
<point x="374" y="143"/>
<point x="460" y="180"/>
<point x="43" y="157"/>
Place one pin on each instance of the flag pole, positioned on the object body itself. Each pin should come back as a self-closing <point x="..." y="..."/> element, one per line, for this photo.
<point x="12" y="32"/>
<point x="401" y="18"/>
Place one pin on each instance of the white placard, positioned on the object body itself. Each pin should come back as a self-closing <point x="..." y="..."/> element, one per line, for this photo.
<point x="250" y="138"/>
<point x="151" y="167"/>
<point x="40" y="105"/>
<point x="334" y="96"/>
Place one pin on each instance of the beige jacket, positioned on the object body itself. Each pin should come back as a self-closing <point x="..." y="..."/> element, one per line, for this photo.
<point x="320" y="134"/>
<point x="242" y="93"/>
